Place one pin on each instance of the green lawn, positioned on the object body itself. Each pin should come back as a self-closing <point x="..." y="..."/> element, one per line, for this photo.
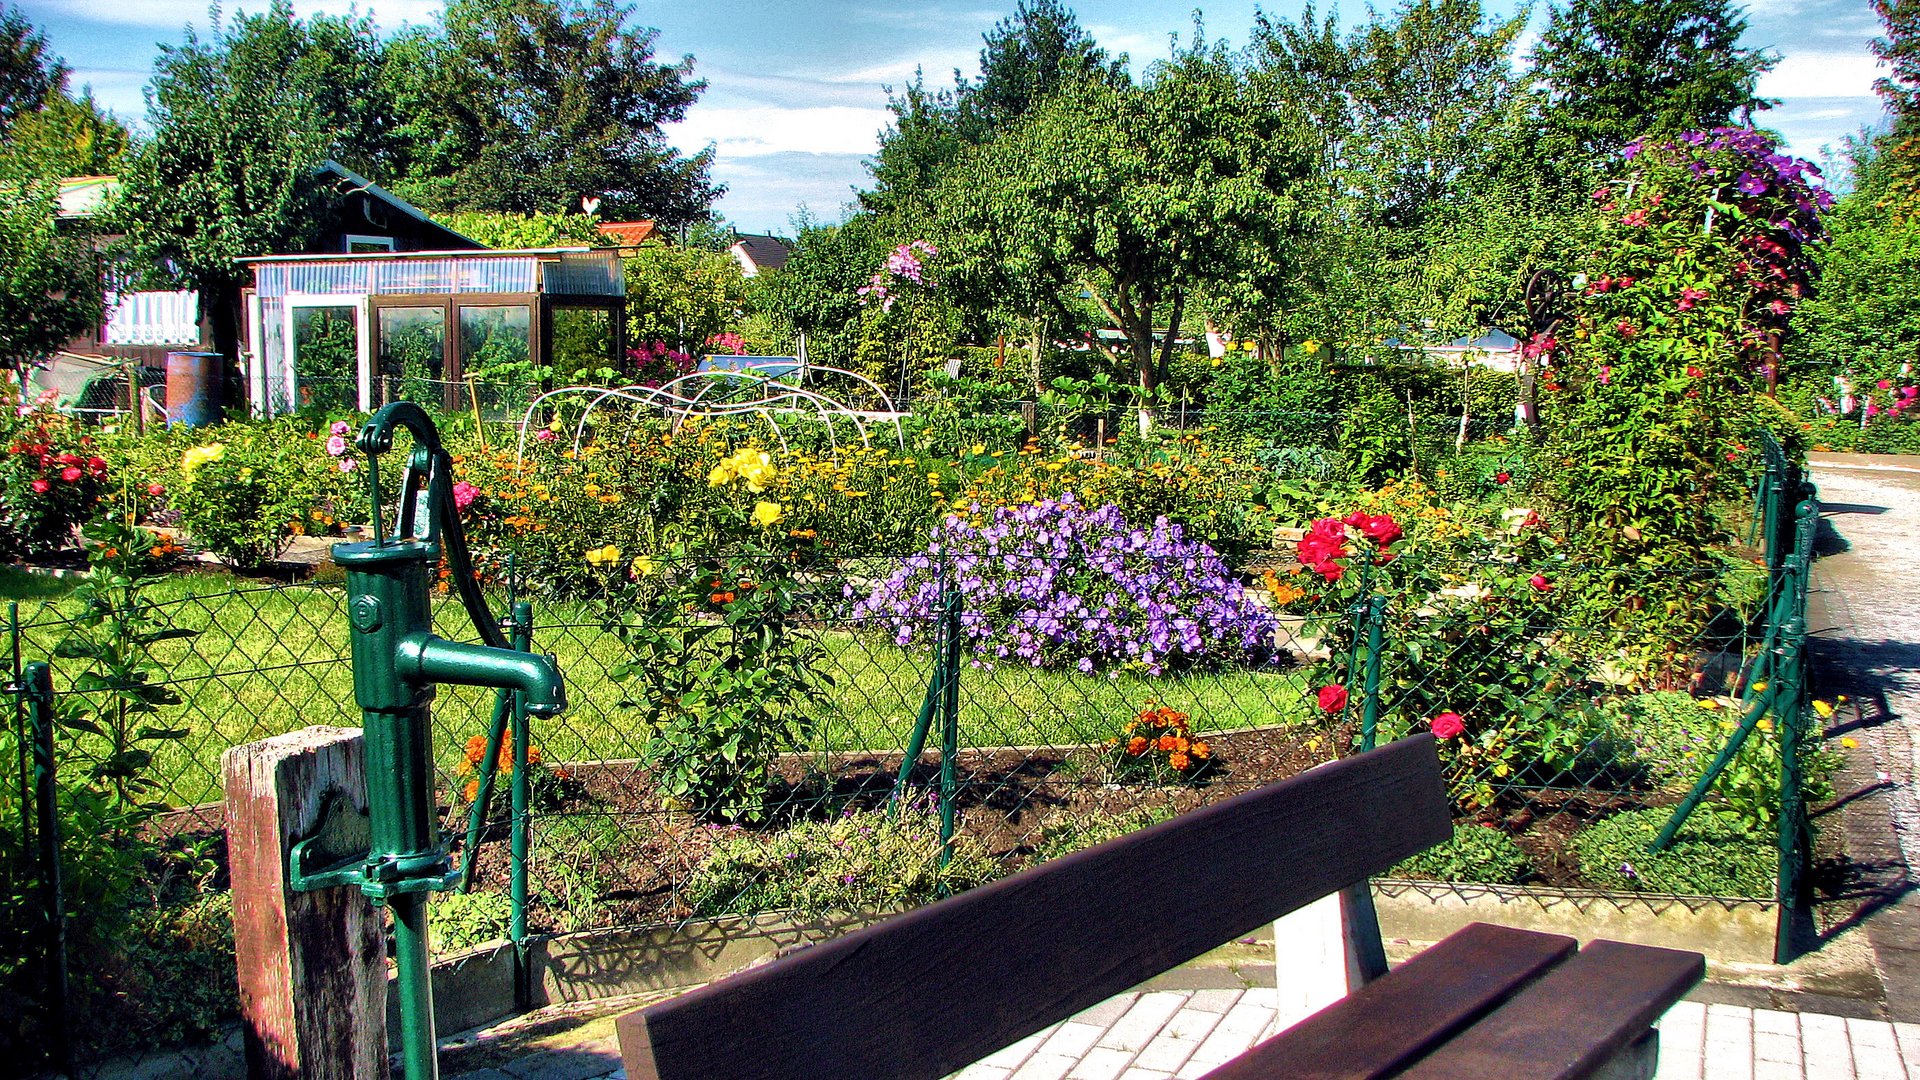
<point x="271" y="659"/>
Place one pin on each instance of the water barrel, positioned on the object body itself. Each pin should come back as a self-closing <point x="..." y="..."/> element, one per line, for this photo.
<point x="194" y="380"/>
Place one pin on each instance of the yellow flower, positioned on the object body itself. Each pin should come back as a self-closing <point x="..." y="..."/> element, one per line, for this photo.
<point x="603" y="556"/>
<point x="978" y="449"/>
<point x="195" y="457"/>
<point x="721" y="475"/>
<point x="1850" y="743"/>
<point x="766" y="513"/>
<point x="1825" y="709"/>
<point x="641" y="566"/>
<point x="1310" y="346"/>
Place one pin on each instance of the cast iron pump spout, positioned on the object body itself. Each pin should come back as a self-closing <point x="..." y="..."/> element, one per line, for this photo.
<point x="430" y="659"/>
<point x="397" y="662"/>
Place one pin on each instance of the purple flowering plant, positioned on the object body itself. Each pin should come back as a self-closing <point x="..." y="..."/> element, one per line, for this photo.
<point x="1057" y="584"/>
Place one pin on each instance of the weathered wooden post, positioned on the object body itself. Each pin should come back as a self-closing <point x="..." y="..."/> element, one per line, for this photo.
<point x="312" y="965"/>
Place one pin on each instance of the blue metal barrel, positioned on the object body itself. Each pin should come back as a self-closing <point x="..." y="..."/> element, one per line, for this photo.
<point x="194" y="381"/>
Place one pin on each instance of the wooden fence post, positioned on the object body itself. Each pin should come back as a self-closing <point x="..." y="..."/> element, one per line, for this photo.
<point x="312" y="965"/>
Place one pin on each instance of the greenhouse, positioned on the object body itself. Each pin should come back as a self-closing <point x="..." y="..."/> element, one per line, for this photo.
<point x="360" y="330"/>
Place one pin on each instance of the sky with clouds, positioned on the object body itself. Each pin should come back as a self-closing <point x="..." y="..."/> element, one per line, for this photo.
<point x="796" y="90"/>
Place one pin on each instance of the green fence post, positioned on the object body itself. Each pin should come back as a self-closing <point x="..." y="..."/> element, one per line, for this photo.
<point x="1794" y="840"/>
<point x="36" y="687"/>
<point x="1370" y="708"/>
<point x="949" y="723"/>
<point x="522" y="807"/>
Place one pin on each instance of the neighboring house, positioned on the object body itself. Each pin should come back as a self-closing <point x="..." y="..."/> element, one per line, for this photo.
<point x="756" y="253"/>
<point x="628" y="235"/>
<point x="145" y="326"/>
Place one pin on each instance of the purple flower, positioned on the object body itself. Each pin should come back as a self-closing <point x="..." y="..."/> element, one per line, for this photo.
<point x="1751" y="184"/>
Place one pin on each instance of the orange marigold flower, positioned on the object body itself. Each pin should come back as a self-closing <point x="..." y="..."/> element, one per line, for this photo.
<point x="1180" y="745"/>
<point x="1202" y="751"/>
<point x="1166" y="743"/>
<point x="1137" y="745"/>
<point x="1179" y="761"/>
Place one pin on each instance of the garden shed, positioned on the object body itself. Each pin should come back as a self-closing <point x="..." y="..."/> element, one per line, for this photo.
<point x="360" y="330"/>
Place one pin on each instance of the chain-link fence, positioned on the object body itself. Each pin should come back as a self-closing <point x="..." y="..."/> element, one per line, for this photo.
<point x="756" y="730"/>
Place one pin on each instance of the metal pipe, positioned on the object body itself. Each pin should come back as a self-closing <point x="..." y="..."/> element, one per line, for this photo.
<point x="522" y="802"/>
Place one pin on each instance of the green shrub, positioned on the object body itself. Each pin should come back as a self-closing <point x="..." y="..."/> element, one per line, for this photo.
<point x="181" y="959"/>
<point x="51" y="478"/>
<point x="462" y="921"/>
<point x="1714" y="855"/>
<point x="246" y="489"/>
<point x="858" y="861"/>
<point x="1477" y="853"/>
<point x="1064" y="834"/>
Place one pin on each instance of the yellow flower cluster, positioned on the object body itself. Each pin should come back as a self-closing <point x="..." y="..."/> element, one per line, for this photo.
<point x="197" y="456"/>
<point x="749" y="465"/>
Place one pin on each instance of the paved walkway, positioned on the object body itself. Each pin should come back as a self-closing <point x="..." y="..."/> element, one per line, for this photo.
<point x="1183" y="1034"/>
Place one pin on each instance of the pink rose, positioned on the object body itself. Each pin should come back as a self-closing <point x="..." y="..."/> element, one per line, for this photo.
<point x="347" y="464"/>
<point x="545" y="435"/>
<point x="156" y="490"/>
<point x="40" y="487"/>
<point x="342" y="428"/>
<point x="463" y="495"/>
<point x="336" y="446"/>
<point x="1447" y="725"/>
<point x="70" y="473"/>
<point x="1540" y="582"/>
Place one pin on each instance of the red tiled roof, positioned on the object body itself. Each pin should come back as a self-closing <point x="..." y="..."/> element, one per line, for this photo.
<point x="630" y="233"/>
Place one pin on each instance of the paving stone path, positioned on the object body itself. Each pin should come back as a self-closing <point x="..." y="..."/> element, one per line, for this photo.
<point x="1183" y="1034"/>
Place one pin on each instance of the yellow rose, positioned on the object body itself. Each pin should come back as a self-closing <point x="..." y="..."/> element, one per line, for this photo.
<point x="603" y="556"/>
<point x="767" y="513"/>
<point x="721" y="475"/>
<point x="641" y="566"/>
<point x="197" y="456"/>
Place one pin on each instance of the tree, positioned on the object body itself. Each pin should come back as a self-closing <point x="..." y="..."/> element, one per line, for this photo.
<point x="1134" y="196"/>
<point x="49" y="281"/>
<point x="230" y="170"/>
<point x="1620" y="69"/>
<point x="1887" y="165"/>
<point x="530" y="106"/>
<point x="1024" y="60"/>
<point x="682" y="295"/>
<point x="66" y="136"/>
<point x="28" y="73"/>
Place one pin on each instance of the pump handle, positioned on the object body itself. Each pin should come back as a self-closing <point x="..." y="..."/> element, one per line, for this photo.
<point x="431" y="465"/>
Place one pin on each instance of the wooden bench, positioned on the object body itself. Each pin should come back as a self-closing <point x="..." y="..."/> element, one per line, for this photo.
<point x="928" y="992"/>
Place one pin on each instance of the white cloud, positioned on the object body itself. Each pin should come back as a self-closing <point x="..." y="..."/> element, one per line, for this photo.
<point x="1821" y="74"/>
<point x="757" y="130"/>
<point x="174" y="14"/>
<point x="938" y="65"/>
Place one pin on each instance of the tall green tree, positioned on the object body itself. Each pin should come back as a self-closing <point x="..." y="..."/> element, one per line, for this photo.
<point x="28" y="72"/>
<point x="530" y="106"/>
<point x="1024" y="59"/>
<point x="66" y="136"/>
<point x="229" y="170"/>
<point x="50" y="285"/>
<point x="1132" y="196"/>
<point x="1620" y="69"/>
<point x="1888" y="166"/>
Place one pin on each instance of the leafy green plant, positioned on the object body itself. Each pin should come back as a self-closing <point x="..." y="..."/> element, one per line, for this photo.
<point x="858" y="861"/>
<point x="244" y="492"/>
<point x="1157" y="747"/>
<point x="1714" y="855"/>
<point x="51" y="478"/>
<point x="1476" y="853"/>
<point x="723" y="676"/>
<point x="463" y="921"/>
<point x="122" y="689"/>
<point x="1064" y="834"/>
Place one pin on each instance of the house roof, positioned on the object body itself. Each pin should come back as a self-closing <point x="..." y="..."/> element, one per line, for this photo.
<point x="85" y="196"/>
<point x="631" y="233"/>
<point x="361" y="183"/>
<point x="764" y="252"/>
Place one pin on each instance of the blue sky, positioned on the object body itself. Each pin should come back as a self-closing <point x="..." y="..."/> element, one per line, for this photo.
<point x="796" y="99"/>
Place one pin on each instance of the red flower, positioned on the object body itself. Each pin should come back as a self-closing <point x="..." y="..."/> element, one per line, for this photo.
<point x="1447" y="725"/>
<point x="1694" y="372"/>
<point x="156" y="490"/>
<point x="70" y="473"/>
<point x="1540" y="582"/>
<point x="40" y="487"/>
<point x="1502" y="476"/>
<point x="1333" y="697"/>
<point x="1324" y="542"/>
<point x="1381" y="529"/>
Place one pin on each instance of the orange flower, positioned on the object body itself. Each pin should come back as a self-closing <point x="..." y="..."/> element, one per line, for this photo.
<point x="1137" y="745"/>
<point x="1166" y="743"/>
<point x="1202" y="751"/>
<point x="1179" y="762"/>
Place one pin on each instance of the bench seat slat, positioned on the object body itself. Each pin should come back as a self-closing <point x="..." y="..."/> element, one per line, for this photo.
<point x="932" y="990"/>
<point x="1573" y="1021"/>
<point x="1392" y="1021"/>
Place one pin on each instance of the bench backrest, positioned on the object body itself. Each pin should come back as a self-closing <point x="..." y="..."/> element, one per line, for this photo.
<point x="930" y="991"/>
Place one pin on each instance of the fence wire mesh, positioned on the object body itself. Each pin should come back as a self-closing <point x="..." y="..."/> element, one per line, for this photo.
<point x="755" y="733"/>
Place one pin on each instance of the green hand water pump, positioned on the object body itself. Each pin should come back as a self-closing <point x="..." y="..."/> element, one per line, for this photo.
<point x="397" y="662"/>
